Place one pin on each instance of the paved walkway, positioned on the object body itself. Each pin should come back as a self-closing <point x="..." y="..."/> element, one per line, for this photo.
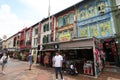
<point x="18" y="70"/>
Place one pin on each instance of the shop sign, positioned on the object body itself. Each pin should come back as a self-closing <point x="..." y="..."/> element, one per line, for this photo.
<point x="53" y="46"/>
<point x="65" y="37"/>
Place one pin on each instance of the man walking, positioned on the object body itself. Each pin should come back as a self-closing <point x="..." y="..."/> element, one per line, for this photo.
<point x="30" y="60"/>
<point x="57" y="64"/>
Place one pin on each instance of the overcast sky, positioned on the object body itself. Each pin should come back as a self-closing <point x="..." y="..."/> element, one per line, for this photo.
<point x="18" y="14"/>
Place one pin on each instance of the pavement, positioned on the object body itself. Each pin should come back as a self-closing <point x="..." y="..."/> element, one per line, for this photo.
<point x="18" y="70"/>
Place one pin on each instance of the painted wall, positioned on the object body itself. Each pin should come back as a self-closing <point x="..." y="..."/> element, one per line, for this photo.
<point x="65" y="26"/>
<point x="94" y="19"/>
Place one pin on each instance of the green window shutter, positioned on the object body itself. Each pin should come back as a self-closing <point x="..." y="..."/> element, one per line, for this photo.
<point x="65" y="20"/>
<point x="44" y="28"/>
<point x="71" y="18"/>
<point x="36" y="31"/>
<point x="47" y="27"/>
<point x="60" y="22"/>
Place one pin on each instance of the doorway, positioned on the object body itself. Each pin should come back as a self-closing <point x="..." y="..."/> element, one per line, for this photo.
<point x="110" y="49"/>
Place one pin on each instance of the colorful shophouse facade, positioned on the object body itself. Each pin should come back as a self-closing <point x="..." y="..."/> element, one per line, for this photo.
<point x="47" y="36"/>
<point x="34" y="37"/>
<point x="95" y="18"/>
<point x="74" y="31"/>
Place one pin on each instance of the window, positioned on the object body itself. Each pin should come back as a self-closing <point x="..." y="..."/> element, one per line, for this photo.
<point x="44" y="39"/>
<point x="47" y="38"/>
<point x="65" y="32"/>
<point x="44" y="28"/>
<point x="60" y="22"/>
<point x="65" y="20"/>
<point x="36" y="31"/>
<point x="47" y="27"/>
<point x="71" y="18"/>
<point x="35" y="41"/>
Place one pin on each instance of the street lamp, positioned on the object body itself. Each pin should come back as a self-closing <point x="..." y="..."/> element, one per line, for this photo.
<point x="49" y="13"/>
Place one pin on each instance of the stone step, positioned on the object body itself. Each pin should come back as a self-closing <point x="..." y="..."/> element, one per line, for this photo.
<point x="112" y="69"/>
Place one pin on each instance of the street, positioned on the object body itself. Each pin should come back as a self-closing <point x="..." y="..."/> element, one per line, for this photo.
<point x="18" y="70"/>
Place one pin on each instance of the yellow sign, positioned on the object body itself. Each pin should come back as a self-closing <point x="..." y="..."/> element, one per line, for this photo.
<point x="65" y="37"/>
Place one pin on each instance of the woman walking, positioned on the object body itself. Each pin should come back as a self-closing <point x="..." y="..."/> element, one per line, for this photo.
<point x="4" y="60"/>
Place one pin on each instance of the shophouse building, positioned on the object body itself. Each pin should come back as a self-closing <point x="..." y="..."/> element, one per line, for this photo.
<point x="47" y="36"/>
<point x="28" y="39"/>
<point x="74" y="31"/>
<point x="96" y="18"/>
<point x="22" y="38"/>
<point x="34" y="38"/>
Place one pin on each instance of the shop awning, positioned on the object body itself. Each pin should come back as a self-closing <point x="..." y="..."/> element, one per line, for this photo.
<point x="74" y="48"/>
<point x="78" y="44"/>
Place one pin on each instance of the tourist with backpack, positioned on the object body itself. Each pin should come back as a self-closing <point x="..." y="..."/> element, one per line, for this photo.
<point x="4" y="60"/>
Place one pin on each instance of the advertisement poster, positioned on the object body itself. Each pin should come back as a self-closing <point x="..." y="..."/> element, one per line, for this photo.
<point x="65" y="37"/>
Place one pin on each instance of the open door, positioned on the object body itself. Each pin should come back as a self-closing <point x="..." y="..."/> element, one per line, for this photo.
<point x="111" y="51"/>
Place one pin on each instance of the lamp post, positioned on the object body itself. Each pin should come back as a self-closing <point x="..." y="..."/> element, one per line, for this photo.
<point x="49" y="13"/>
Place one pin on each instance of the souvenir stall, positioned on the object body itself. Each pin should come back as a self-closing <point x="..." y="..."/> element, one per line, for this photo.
<point x="86" y="54"/>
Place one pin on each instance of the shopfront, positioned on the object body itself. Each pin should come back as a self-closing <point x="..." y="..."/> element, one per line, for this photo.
<point x="47" y="50"/>
<point x="86" y="54"/>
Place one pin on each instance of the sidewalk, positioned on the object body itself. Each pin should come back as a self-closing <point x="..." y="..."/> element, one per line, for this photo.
<point x="51" y="76"/>
<point x="18" y="70"/>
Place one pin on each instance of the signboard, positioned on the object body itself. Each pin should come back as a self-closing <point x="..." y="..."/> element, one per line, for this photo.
<point x="52" y="46"/>
<point x="65" y="37"/>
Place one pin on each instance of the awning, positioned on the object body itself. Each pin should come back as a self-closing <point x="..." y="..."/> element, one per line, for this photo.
<point x="79" y="44"/>
<point x="75" y="48"/>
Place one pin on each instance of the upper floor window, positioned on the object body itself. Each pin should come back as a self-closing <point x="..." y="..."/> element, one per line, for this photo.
<point x="71" y="18"/>
<point x="36" y="31"/>
<point x="47" y="38"/>
<point x="60" y="21"/>
<point x="35" y="41"/>
<point x="44" y="39"/>
<point x="65" y="20"/>
<point x="46" y="27"/>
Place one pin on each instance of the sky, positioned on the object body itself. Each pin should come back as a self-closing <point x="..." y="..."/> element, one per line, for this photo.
<point x="18" y="14"/>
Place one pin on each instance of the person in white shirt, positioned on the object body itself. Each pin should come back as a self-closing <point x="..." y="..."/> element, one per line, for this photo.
<point x="4" y="60"/>
<point x="57" y="64"/>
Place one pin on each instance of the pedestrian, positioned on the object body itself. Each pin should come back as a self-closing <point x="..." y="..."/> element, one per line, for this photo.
<point x="57" y="64"/>
<point x="30" y="60"/>
<point x="46" y="60"/>
<point x="4" y="61"/>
